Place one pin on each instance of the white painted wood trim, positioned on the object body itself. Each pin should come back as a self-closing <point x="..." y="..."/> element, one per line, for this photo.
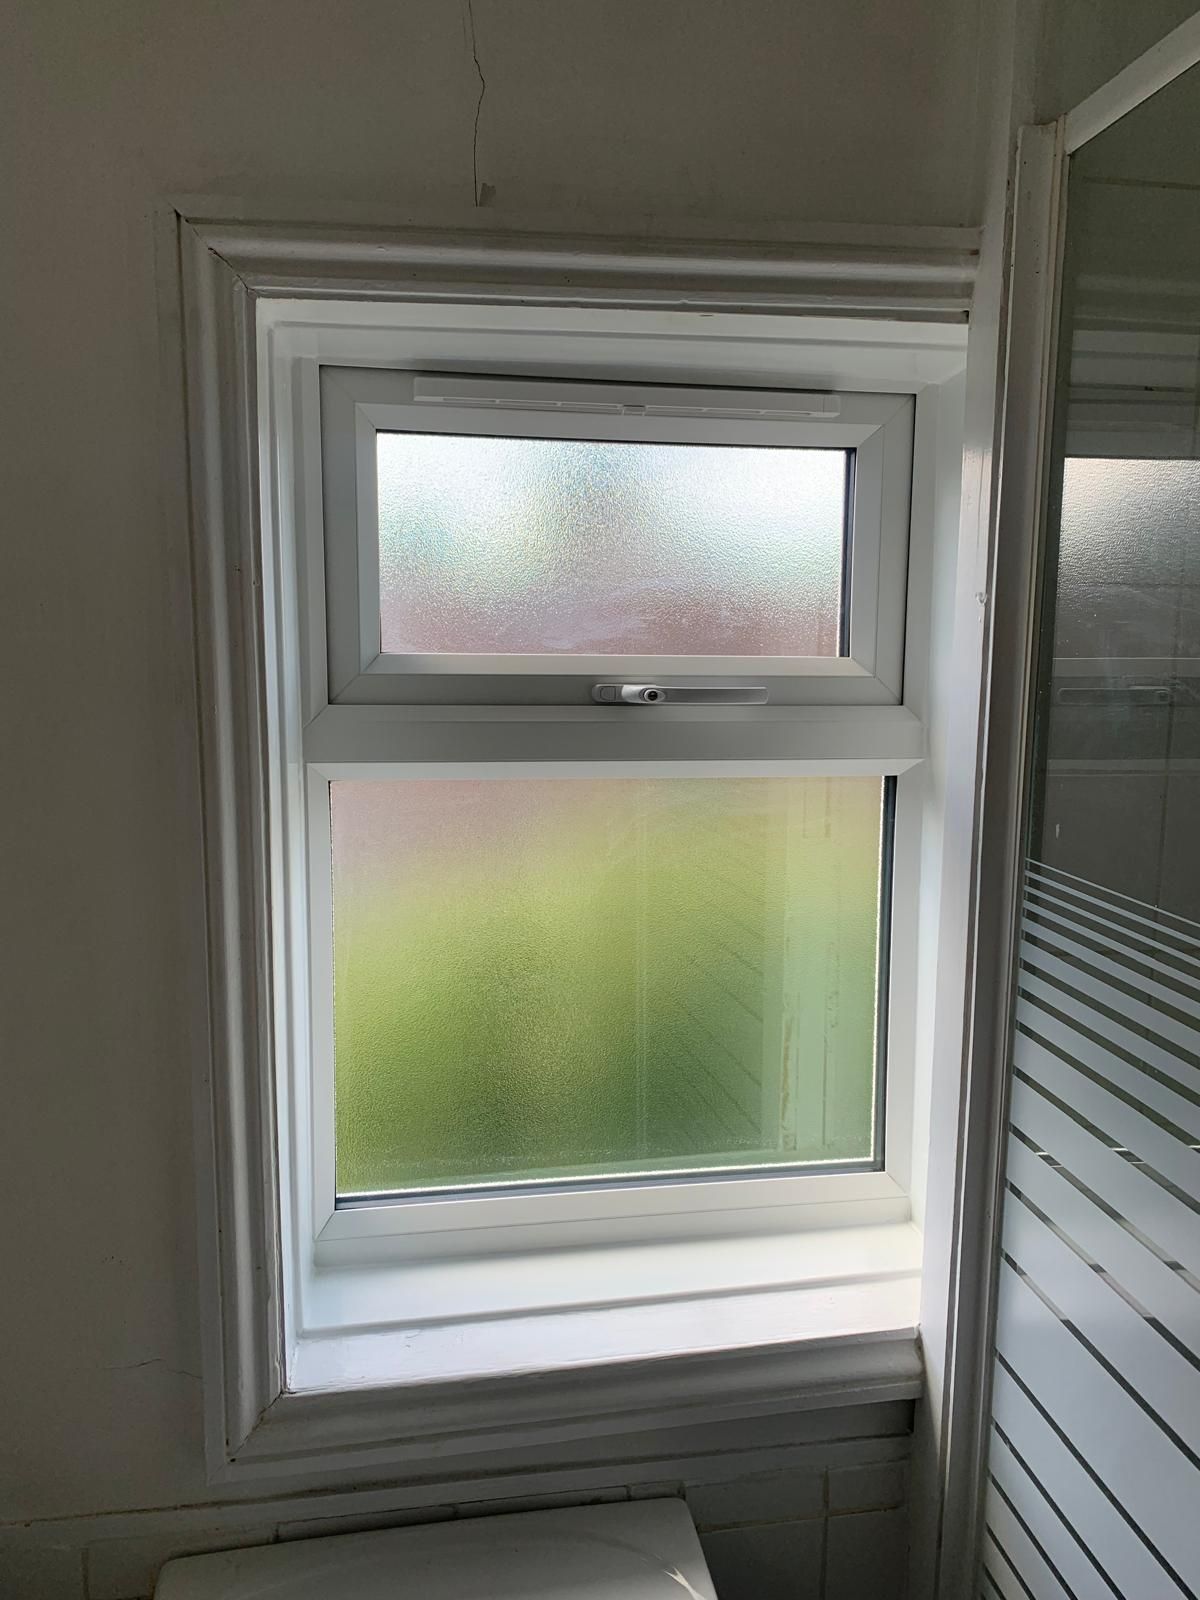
<point x="920" y="273"/>
<point x="263" y="211"/>
<point x="236" y="1168"/>
<point x="252" y="1425"/>
<point x="1174" y="54"/>
<point x="373" y="1429"/>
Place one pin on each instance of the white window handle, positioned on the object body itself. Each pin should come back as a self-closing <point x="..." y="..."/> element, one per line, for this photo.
<point x="652" y="694"/>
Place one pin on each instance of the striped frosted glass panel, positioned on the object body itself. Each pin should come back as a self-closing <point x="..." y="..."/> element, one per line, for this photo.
<point x="1094" y="1466"/>
<point x="574" y="546"/>
<point x="560" y="978"/>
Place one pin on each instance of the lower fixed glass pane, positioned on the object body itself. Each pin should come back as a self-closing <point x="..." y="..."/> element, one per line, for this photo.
<point x="549" y="978"/>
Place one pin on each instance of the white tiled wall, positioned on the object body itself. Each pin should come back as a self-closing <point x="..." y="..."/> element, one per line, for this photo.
<point x="811" y="1509"/>
<point x="837" y="1534"/>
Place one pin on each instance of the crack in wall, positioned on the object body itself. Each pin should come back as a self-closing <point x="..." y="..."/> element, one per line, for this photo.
<point x="153" y="1361"/>
<point x="481" y="195"/>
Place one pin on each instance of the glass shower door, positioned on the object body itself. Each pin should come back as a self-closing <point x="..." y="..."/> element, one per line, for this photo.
<point x="1093" y="1475"/>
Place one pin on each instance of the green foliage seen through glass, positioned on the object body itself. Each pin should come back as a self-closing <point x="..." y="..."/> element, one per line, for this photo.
<point x="540" y="978"/>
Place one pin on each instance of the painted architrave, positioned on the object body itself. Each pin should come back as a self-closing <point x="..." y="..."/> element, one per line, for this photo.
<point x="253" y="1425"/>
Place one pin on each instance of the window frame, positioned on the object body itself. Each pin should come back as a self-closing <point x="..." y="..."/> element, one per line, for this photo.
<point x="359" y="403"/>
<point x="863" y="732"/>
<point x="527" y="1216"/>
<point x="360" y="1266"/>
<point x="223" y="339"/>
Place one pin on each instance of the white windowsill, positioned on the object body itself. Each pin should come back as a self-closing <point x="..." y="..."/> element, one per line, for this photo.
<point x="835" y="1287"/>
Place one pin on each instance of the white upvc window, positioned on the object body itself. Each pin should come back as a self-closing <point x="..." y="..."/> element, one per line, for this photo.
<point x="598" y="917"/>
<point x="595" y="841"/>
<point x="576" y="645"/>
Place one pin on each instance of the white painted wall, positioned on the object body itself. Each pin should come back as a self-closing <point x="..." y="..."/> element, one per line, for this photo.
<point x="623" y="114"/>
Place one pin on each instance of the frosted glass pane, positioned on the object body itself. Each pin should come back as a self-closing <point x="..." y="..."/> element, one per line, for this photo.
<point x="1128" y="567"/>
<point x="530" y="546"/>
<point x="548" y="977"/>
